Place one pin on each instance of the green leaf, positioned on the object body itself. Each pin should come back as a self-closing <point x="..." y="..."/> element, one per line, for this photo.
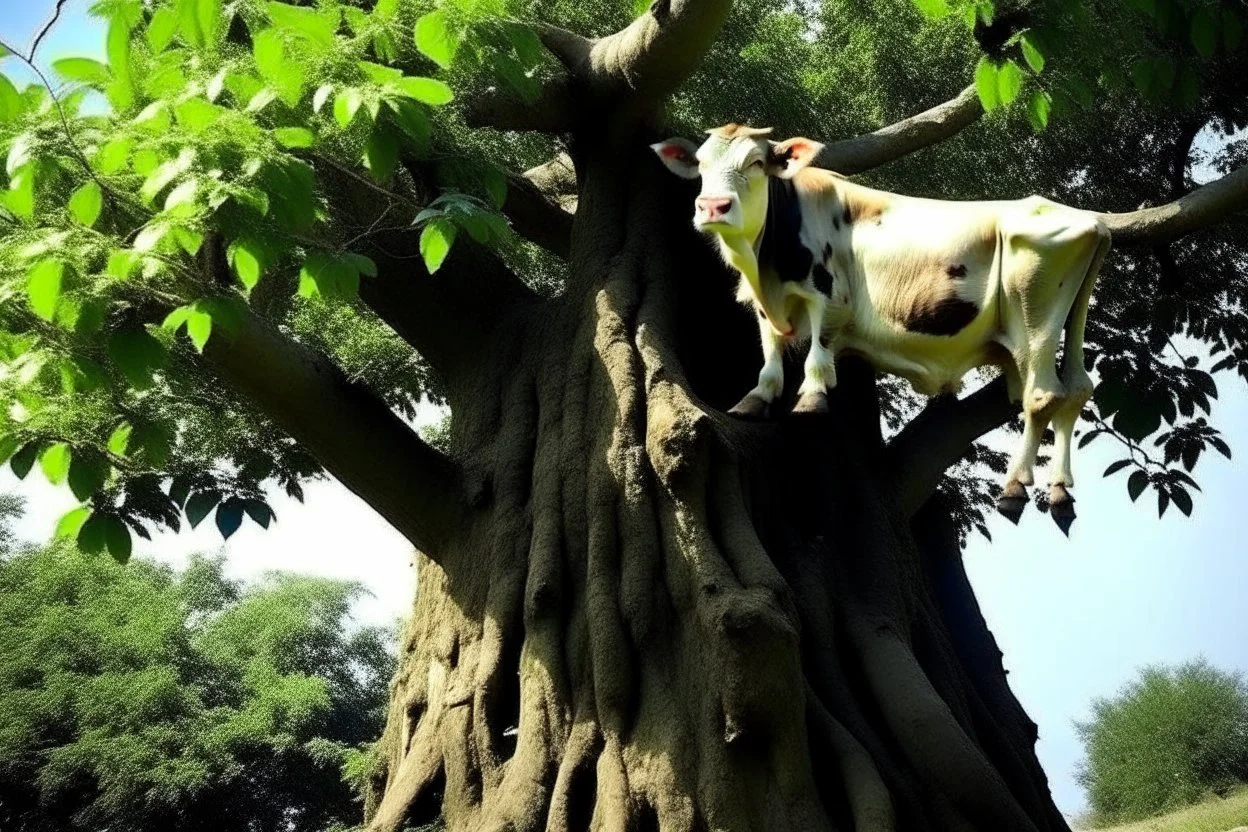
<point x="20" y="198"/>
<point x="1009" y="82"/>
<point x="429" y="91"/>
<point x="71" y="522"/>
<point x="294" y="137"/>
<point x="8" y="446"/>
<point x="120" y="91"/>
<point x="259" y="511"/>
<point x="84" y="70"/>
<point x="381" y="154"/>
<point x="121" y="263"/>
<point x="24" y="460"/>
<point x="198" y="506"/>
<point x="138" y="355"/>
<point x="986" y="84"/>
<point x="10" y="100"/>
<point x="87" y="202"/>
<point x="1136" y="484"/>
<point x="230" y="517"/>
<point x="435" y="243"/>
<point x="933" y="9"/>
<point x="412" y="120"/>
<point x="1039" y="105"/>
<point x="1204" y="33"/>
<point x="113" y="155"/>
<point x="87" y="475"/>
<point x="197" y="114"/>
<point x="1115" y="467"/>
<point x="269" y="50"/>
<point x="1032" y="52"/>
<point x="245" y="255"/>
<point x="1183" y="500"/>
<point x="361" y="264"/>
<point x="308" y="23"/>
<point x="346" y="105"/>
<point x="181" y="200"/>
<point x="117" y="538"/>
<point x="43" y="287"/>
<point x="119" y="440"/>
<point x="160" y="29"/>
<point x="435" y="39"/>
<point x="199" y="328"/>
<point x="92" y="534"/>
<point x="54" y="461"/>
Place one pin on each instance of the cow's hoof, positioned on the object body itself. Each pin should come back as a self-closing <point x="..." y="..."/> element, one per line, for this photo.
<point x="812" y="403"/>
<point x="751" y="408"/>
<point x="1012" y="501"/>
<point x="1061" y="507"/>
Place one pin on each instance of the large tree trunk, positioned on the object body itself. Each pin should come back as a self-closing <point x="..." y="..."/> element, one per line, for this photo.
<point x="654" y="617"/>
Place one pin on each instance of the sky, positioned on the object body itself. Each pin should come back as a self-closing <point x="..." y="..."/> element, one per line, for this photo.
<point x="1075" y="618"/>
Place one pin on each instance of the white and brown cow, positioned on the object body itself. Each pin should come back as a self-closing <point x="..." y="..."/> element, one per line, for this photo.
<point x="925" y="289"/>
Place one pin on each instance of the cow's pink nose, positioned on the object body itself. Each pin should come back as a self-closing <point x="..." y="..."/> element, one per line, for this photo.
<point x="713" y="207"/>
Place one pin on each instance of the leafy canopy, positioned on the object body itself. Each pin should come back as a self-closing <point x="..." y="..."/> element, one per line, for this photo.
<point x="1168" y="739"/>
<point x="138" y="698"/>
<point x="232" y="159"/>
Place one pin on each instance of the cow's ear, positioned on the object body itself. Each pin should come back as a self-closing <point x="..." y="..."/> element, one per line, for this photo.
<point x="678" y="155"/>
<point x="790" y="156"/>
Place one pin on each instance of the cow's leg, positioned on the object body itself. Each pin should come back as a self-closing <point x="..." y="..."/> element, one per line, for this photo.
<point x="1078" y="390"/>
<point x="820" y="367"/>
<point x="757" y="402"/>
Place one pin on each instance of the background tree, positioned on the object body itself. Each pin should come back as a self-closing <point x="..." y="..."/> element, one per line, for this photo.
<point x="633" y="612"/>
<point x="136" y="698"/>
<point x="1167" y="739"/>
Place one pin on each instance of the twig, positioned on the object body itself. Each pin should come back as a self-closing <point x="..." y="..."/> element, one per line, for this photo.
<point x="47" y="27"/>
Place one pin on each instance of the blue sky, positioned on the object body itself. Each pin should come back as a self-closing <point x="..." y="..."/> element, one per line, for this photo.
<point x="1075" y="618"/>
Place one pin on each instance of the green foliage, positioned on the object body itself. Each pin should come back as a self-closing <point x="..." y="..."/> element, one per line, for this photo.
<point x="143" y="699"/>
<point x="1169" y="738"/>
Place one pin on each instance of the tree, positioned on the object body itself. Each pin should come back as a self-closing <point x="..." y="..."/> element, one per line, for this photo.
<point x="135" y="698"/>
<point x="633" y="612"/>
<point x="1168" y="738"/>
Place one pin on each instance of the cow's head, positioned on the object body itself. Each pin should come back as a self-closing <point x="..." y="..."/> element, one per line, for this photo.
<point x="734" y="163"/>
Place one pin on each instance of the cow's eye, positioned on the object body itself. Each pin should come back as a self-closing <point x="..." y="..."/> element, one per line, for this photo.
<point x="757" y="163"/>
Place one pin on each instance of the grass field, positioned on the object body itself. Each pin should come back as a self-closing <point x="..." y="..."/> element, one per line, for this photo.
<point x="1212" y="816"/>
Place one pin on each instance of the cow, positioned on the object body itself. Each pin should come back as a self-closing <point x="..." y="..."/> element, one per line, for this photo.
<point x="924" y="289"/>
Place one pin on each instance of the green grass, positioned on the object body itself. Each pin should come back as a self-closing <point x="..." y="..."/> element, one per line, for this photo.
<point x="1213" y="815"/>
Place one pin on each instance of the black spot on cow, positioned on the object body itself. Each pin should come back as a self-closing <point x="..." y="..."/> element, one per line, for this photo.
<point x="827" y="252"/>
<point x="822" y="279"/>
<point x="956" y="271"/>
<point x="781" y="249"/>
<point x="836" y="223"/>
<point x="848" y="216"/>
<point x="947" y="316"/>
<point x="761" y="313"/>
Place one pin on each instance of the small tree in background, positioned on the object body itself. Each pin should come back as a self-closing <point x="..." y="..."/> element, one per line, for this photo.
<point x="136" y="698"/>
<point x="1169" y="738"/>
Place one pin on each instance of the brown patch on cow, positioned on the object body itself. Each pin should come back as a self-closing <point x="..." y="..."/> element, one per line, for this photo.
<point x="956" y="271"/>
<point x="732" y="130"/>
<point x="945" y="316"/>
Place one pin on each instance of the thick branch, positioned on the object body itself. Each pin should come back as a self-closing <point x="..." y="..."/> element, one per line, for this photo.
<point x="1202" y="207"/>
<point x="938" y="437"/>
<point x="536" y="217"/>
<point x="929" y="127"/>
<point x="348" y="429"/>
<point x="451" y="316"/>
<point x="552" y="111"/>
<point x="650" y="57"/>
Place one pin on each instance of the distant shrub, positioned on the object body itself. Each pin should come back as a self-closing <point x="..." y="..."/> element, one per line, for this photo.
<point x="1169" y="738"/>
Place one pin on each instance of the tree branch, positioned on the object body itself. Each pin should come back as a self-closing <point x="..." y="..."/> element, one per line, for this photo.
<point x="448" y="317"/>
<point x="938" y="437"/>
<point x="650" y="57"/>
<point x="1202" y="207"/>
<point x="380" y="459"/>
<point x="929" y="127"/>
<point x="552" y="111"/>
<point x="536" y="217"/>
